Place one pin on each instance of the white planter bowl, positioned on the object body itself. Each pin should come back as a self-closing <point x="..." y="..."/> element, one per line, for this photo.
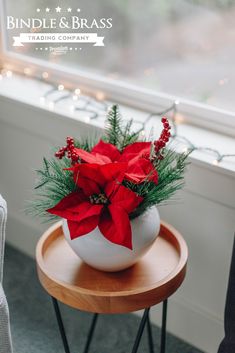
<point x="100" y="253"/>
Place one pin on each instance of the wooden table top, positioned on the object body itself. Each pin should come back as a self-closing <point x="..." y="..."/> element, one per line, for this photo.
<point x="154" y="278"/>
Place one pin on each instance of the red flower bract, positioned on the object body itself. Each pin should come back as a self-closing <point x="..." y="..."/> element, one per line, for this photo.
<point x="100" y="201"/>
<point x="136" y="155"/>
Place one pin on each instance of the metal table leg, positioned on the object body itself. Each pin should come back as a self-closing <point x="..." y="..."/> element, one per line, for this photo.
<point x="62" y="330"/>
<point x="90" y="334"/>
<point x="163" y="332"/>
<point x="150" y="336"/>
<point x="145" y="319"/>
<point x="61" y="325"/>
<point x="140" y="331"/>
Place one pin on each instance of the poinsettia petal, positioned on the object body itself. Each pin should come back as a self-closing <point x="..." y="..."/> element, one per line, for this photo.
<point x="88" y="172"/>
<point x="115" y="225"/>
<point x="135" y="149"/>
<point x="92" y="157"/>
<point x="124" y="198"/>
<point x="68" y="206"/>
<point x="141" y="171"/>
<point x="87" y="219"/>
<point x="88" y="186"/>
<point x="112" y="171"/>
<point x="77" y="229"/>
<point x="107" y="149"/>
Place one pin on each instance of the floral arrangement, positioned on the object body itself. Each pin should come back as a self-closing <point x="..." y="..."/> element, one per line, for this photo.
<point x="109" y="182"/>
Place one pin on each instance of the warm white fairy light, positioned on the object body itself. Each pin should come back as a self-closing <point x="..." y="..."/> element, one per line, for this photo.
<point x="9" y="73"/>
<point x="100" y="96"/>
<point x="177" y="102"/>
<point x="142" y="133"/>
<point x="215" y="162"/>
<point x="185" y="150"/>
<point x="45" y="75"/>
<point x="60" y="87"/>
<point x="87" y="119"/>
<point x="27" y="71"/>
<point x="179" y="118"/>
<point x="76" y="94"/>
<point x="75" y="98"/>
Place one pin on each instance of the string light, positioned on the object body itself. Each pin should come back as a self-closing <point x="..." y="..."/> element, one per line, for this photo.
<point x="185" y="150"/>
<point x="100" y="96"/>
<point x="87" y="119"/>
<point x="60" y="87"/>
<point x="95" y="110"/>
<point x="215" y="162"/>
<point x="9" y="73"/>
<point x="27" y="71"/>
<point x="45" y="75"/>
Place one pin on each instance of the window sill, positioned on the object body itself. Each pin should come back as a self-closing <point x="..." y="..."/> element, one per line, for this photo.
<point x="29" y="91"/>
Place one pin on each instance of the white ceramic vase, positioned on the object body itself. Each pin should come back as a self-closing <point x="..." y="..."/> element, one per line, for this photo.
<point x="98" y="252"/>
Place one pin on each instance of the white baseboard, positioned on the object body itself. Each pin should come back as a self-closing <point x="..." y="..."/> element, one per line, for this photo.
<point x="185" y="320"/>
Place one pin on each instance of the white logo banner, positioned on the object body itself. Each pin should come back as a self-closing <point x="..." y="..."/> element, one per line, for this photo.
<point x="58" y="38"/>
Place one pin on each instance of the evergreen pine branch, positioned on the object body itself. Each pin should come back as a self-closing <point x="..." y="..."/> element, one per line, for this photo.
<point x="128" y="137"/>
<point x="113" y="126"/>
<point x="53" y="184"/>
<point x="170" y="180"/>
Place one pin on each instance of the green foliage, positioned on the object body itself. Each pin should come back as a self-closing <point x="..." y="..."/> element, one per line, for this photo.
<point x="55" y="182"/>
<point x="170" y="179"/>
<point x="116" y="133"/>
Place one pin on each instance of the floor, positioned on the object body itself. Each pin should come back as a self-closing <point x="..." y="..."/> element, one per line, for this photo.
<point x="34" y="328"/>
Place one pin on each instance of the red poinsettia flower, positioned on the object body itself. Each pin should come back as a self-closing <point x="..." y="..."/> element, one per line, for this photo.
<point x="137" y="155"/>
<point x="101" y="201"/>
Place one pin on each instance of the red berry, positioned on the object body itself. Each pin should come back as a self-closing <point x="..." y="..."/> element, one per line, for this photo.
<point x="164" y="120"/>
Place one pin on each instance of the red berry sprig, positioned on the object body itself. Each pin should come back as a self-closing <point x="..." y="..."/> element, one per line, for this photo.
<point x="69" y="149"/>
<point x="163" y="139"/>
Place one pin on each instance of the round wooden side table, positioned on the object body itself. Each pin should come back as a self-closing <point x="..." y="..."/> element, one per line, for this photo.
<point x="66" y="278"/>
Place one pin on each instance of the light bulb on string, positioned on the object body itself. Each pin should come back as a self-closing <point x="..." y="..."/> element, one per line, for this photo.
<point x="27" y="71"/>
<point x="87" y="119"/>
<point x="185" y="150"/>
<point x="76" y="94"/>
<point x="215" y="162"/>
<point x="100" y="96"/>
<point x="45" y="75"/>
<point x="178" y="118"/>
<point x="60" y="87"/>
<point x="9" y="73"/>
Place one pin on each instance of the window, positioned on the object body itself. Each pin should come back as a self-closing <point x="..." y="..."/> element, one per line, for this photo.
<point x="154" y="51"/>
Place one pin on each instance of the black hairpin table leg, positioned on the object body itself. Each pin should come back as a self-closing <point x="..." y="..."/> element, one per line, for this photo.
<point x="140" y="330"/>
<point x="163" y="332"/>
<point x="61" y="325"/>
<point x="90" y="334"/>
<point x="150" y="336"/>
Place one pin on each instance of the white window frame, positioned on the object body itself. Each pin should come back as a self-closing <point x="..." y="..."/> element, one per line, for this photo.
<point x="194" y="113"/>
